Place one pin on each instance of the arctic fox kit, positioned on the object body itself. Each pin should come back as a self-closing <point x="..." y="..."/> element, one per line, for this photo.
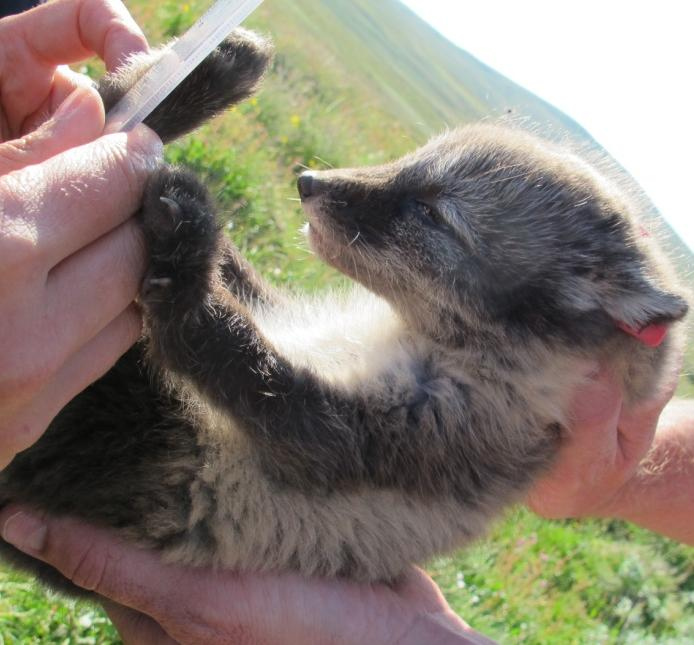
<point x="352" y="435"/>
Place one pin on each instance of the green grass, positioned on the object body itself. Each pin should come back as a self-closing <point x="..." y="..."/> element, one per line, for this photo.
<point x="531" y="581"/>
<point x="348" y="89"/>
<point x="535" y="581"/>
<point x="28" y="615"/>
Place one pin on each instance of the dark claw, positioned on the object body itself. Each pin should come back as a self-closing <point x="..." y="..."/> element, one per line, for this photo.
<point x="152" y="288"/>
<point x="172" y="206"/>
<point x="161" y="283"/>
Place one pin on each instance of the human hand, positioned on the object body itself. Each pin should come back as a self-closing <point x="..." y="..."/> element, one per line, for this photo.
<point x="70" y="261"/>
<point x="602" y="452"/>
<point x="150" y="602"/>
<point x="35" y="48"/>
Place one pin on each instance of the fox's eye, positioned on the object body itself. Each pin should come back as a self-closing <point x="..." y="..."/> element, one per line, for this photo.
<point x="427" y="210"/>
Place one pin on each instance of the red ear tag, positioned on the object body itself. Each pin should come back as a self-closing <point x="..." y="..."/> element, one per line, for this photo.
<point x="653" y="335"/>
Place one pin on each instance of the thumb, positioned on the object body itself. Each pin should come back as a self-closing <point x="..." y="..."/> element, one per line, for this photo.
<point x="79" y="119"/>
<point x="95" y="559"/>
<point x="596" y="405"/>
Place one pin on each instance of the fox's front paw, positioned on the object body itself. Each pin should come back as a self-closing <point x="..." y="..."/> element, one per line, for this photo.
<point x="234" y="70"/>
<point x="182" y="237"/>
<point x="228" y="75"/>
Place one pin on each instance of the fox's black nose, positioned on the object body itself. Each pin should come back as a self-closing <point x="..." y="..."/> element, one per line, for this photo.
<point x="306" y="185"/>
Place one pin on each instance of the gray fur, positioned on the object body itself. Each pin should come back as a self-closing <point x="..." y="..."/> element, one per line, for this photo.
<point x="352" y="434"/>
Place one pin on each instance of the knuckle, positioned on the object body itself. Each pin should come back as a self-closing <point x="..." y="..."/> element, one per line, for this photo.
<point x="132" y="170"/>
<point x="123" y="26"/>
<point x="113" y="13"/>
<point x="145" y="147"/>
<point x="114" y="166"/>
<point x="19" y="249"/>
<point x="15" y="152"/>
<point x="14" y="198"/>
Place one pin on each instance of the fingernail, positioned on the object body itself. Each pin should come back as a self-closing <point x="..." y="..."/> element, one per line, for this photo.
<point x="146" y="146"/>
<point x="26" y="532"/>
<point x="148" y="139"/>
<point x="70" y="105"/>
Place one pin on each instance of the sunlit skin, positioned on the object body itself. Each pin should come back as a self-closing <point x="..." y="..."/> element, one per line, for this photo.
<point x="43" y="281"/>
<point x="69" y="280"/>
<point x="70" y="271"/>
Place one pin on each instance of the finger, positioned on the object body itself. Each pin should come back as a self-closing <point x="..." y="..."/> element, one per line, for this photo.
<point x="57" y="33"/>
<point x="86" y="366"/>
<point x="92" y="361"/>
<point x="90" y="288"/>
<point x="590" y="446"/>
<point x="78" y="120"/>
<point x="65" y="82"/>
<point x="74" y="198"/>
<point x="417" y="587"/>
<point x="640" y="419"/>
<point x="593" y="416"/>
<point x="136" y="628"/>
<point x="67" y="31"/>
<point x="96" y="560"/>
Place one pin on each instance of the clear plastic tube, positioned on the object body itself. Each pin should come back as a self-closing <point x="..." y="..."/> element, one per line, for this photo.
<point x="178" y="61"/>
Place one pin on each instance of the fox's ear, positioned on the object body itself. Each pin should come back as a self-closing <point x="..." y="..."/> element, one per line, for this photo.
<point x="227" y="76"/>
<point x="635" y="305"/>
<point x="644" y="304"/>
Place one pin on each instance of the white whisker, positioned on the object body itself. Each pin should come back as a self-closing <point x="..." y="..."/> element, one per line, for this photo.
<point x="323" y="161"/>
